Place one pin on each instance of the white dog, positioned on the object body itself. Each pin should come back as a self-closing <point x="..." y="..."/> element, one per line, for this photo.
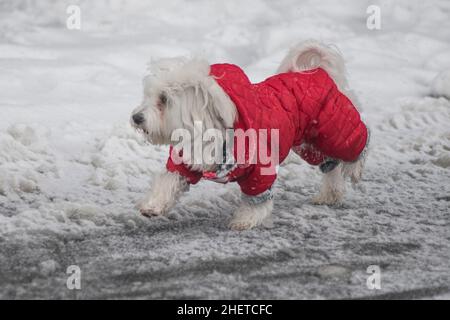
<point x="306" y="104"/>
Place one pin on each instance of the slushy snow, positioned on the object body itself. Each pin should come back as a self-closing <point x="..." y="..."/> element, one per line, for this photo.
<point x="72" y="169"/>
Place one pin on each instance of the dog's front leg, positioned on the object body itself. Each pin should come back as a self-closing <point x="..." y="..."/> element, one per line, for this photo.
<point x="165" y="190"/>
<point x="253" y="211"/>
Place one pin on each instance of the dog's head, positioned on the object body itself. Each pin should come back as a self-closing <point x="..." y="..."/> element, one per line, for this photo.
<point x="177" y="93"/>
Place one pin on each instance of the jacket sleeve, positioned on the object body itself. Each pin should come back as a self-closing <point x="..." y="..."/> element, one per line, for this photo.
<point x="257" y="180"/>
<point x="310" y="154"/>
<point x="172" y="166"/>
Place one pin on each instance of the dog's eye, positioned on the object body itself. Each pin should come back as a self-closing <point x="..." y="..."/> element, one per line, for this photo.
<point x="163" y="98"/>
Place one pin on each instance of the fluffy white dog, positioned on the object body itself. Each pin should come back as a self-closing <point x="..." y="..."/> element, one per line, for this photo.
<point x="306" y="102"/>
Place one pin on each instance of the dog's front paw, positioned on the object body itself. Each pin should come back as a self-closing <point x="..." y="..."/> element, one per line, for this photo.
<point x="239" y="225"/>
<point x="152" y="209"/>
<point x="250" y="216"/>
<point x="244" y="218"/>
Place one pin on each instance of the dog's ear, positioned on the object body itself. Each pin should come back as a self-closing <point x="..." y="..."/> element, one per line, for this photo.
<point x="220" y="104"/>
<point x="204" y="100"/>
<point x="195" y="73"/>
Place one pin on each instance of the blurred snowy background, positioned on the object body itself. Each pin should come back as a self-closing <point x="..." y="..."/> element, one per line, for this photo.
<point x="71" y="168"/>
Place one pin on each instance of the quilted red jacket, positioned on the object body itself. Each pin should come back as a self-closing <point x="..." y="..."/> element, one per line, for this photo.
<point x="309" y="111"/>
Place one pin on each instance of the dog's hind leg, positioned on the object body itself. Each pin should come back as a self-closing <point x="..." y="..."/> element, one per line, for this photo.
<point x="332" y="189"/>
<point x="354" y="170"/>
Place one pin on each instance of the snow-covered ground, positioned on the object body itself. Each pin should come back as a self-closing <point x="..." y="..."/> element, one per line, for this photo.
<point x="71" y="168"/>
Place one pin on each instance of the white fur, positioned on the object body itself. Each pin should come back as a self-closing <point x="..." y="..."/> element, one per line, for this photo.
<point x="163" y="194"/>
<point x="354" y="170"/>
<point x="333" y="187"/>
<point x="248" y="215"/>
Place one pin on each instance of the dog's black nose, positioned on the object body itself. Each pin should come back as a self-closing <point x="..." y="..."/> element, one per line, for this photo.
<point x="138" y="118"/>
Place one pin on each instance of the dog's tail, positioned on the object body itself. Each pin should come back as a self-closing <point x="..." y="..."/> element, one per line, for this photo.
<point x="313" y="54"/>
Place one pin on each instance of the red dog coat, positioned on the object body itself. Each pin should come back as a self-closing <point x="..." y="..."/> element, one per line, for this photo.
<point x="311" y="114"/>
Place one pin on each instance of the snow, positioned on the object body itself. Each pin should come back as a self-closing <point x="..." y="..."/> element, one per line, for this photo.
<point x="440" y="86"/>
<point x="72" y="170"/>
